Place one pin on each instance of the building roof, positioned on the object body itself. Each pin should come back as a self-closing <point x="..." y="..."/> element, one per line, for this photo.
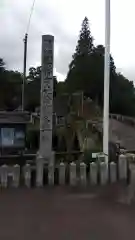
<point x="14" y="117"/>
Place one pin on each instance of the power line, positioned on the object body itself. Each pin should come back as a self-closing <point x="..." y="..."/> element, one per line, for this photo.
<point x="25" y="54"/>
<point x="31" y="11"/>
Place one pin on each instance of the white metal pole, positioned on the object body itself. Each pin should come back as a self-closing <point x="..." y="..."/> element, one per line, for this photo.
<point x="106" y="80"/>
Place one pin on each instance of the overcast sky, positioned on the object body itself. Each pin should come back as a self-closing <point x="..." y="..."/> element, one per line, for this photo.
<point x="63" y="19"/>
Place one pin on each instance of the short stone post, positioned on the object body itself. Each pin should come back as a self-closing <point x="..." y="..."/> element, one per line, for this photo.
<point x="16" y="175"/>
<point x="113" y="172"/>
<point x="93" y="173"/>
<point x="103" y="173"/>
<point x="51" y="174"/>
<point x="52" y="158"/>
<point x="51" y="169"/>
<point x="73" y="179"/>
<point x="101" y="157"/>
<point x="83" y="174"/>
<point x="62" y="169"/>
<point x="4" y="175"/>
<point x="131" y="187"/>
<point x="122" y="166"/>
<point x="27" y="175"/>
<point x="39" y="171"/>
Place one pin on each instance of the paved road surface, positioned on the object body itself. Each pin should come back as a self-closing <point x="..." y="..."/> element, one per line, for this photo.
<point x="63" y="215"/>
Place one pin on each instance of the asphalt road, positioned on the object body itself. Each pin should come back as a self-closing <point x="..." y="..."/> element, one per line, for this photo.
<point x="64" y="214"/>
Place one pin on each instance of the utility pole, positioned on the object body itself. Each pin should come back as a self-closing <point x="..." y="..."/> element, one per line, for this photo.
<point x="106" y="81"/>
<point x="24" y="69"/>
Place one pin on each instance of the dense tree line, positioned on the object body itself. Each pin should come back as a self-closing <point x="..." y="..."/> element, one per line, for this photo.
<point x="86" y="73"/>
<point x="10" y="88"/>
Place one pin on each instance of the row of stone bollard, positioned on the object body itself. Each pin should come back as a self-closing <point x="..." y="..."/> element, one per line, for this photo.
<point x="131" y="187"/>
<point x="100" y="170"/>
<point x="73" y="174"/>
<point x="13" y="171"/>
<point x="97" y="170"/>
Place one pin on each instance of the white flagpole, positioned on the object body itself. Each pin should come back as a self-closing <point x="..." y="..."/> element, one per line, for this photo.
<point x="106" y="80"/>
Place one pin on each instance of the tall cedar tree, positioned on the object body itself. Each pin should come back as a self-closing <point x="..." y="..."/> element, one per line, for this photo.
<point x="78" y="74"/>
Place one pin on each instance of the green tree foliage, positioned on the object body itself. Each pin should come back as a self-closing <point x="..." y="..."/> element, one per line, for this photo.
<point x="122" y="96"/>
<point x="34" y="74"/>
<point x="78" y="74"/>
<point x="86" y="73"/>
<point x="2" y="65"/>
<point x="95" y="85"/>
<point x="10" y="88"/>
<point x="32" y="88"/>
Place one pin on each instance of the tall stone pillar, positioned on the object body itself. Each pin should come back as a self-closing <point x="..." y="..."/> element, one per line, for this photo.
<point x="46" y="107"/>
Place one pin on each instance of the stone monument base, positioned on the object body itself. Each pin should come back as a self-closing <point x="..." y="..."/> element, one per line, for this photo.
<point x="40" y="162"/>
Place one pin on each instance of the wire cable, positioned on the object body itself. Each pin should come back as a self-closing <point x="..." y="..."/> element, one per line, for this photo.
<point x="31" y="11"/>
<point x="25" y="54"/>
